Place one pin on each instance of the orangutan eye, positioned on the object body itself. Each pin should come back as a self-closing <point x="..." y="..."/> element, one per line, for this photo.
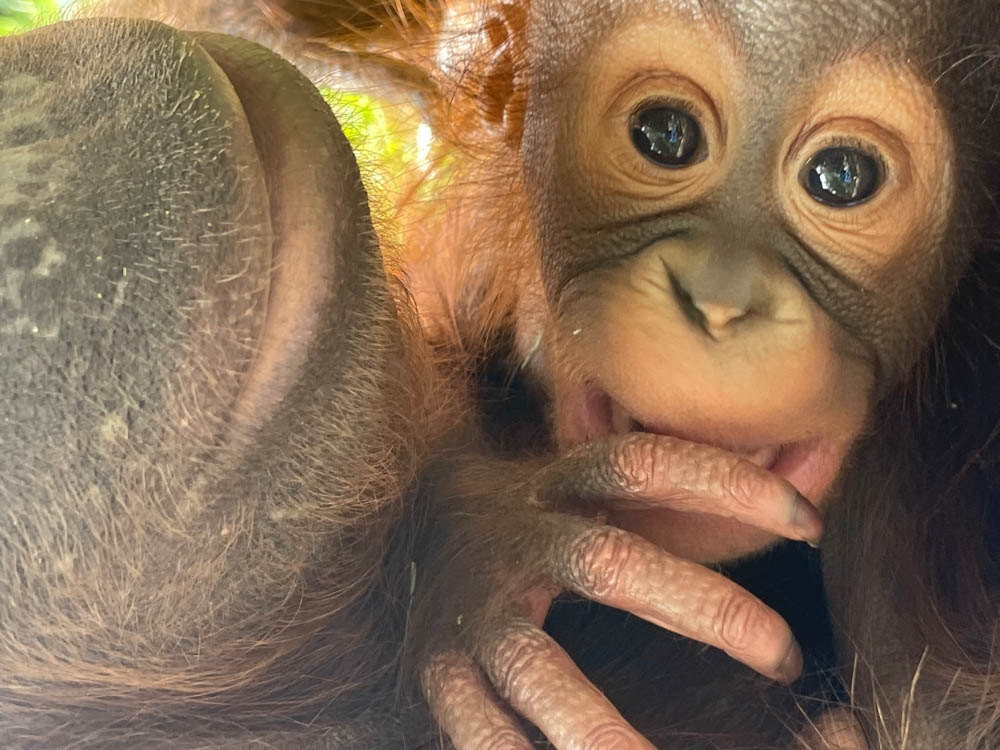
<point x="666" y="136"/>
<point x="841" y="176"/>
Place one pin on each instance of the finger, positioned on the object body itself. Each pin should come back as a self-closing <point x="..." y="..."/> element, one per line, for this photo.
<point x="467" y="708"/>
<point x="833" y="730"/>
<point x="656" y="471"/>
<point x="622" y="570"/>
<point x="542" y="683"/>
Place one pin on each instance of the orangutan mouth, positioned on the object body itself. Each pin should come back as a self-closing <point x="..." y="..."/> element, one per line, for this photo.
<point x="810" y="464"/>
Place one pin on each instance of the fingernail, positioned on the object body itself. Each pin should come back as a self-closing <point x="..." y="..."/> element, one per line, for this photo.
<point x="791" y="665"/>
<point x="807" y="521"/>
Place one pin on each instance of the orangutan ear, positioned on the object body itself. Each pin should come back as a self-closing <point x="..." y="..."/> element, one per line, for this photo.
<point x="503" y="88"/>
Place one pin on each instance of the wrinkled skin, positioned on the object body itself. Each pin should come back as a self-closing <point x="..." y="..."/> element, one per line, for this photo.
<point x="216" y="404"/>
<point x="171" y="531"/>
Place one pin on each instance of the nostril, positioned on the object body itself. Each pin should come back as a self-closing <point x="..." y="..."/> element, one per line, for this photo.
<point x="686" y="301"/>
<point x="711" y="316"/>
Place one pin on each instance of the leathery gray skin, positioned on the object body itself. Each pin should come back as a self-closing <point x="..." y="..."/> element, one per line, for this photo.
<point x="164" y="528"/>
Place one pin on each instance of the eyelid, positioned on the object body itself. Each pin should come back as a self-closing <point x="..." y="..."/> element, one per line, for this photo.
<point x="878" y="141"/>
<point x="675" y="90"/>
<point x="666" y="102"/>
<point x="881" y="142"/>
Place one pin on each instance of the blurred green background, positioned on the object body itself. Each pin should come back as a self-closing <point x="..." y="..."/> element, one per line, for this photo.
<point x="20" y="15"/>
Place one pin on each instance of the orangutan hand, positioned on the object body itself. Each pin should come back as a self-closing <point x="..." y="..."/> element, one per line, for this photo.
<point x="501" y="561"/>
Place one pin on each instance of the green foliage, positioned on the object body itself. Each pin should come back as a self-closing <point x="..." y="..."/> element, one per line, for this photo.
<point x="395" y="146"/>
<point x="403" y="166"/>
<point x="21" y="15"/>
<point x="379" y="139"/>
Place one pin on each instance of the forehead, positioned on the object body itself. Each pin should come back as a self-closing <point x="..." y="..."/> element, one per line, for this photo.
<point x="770" y="34"/>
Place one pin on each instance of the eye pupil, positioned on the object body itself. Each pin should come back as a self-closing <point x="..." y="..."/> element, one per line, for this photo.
<point x="841" y="176"/>
<point x="666" y="136"/>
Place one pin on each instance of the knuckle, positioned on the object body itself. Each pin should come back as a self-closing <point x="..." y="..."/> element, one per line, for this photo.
<point x="741" y="622"/>
<point x="597" y="558"/>
<point x="610" y="735"/>
<point x="520" y="650"/>
<point x="446" y="681"/>
<point x="745" y="483"/>
<point x="838" y="729"/>
<point x="633" y="464"/>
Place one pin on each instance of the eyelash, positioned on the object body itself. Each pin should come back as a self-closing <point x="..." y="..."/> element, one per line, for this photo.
<point x="859" y="145"/>
<point x="665" y="101"/>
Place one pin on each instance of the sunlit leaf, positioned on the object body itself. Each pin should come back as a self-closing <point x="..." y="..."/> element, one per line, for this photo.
<point x="21" y="15"/>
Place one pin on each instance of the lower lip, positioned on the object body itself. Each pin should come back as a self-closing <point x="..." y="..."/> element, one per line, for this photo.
<point x="809" y="465"/>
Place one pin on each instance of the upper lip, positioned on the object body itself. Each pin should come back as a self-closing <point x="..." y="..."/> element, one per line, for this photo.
<point x="761" y="453"/>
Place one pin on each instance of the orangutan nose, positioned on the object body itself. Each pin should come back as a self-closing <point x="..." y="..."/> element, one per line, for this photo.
<point x="715" y="315"/>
